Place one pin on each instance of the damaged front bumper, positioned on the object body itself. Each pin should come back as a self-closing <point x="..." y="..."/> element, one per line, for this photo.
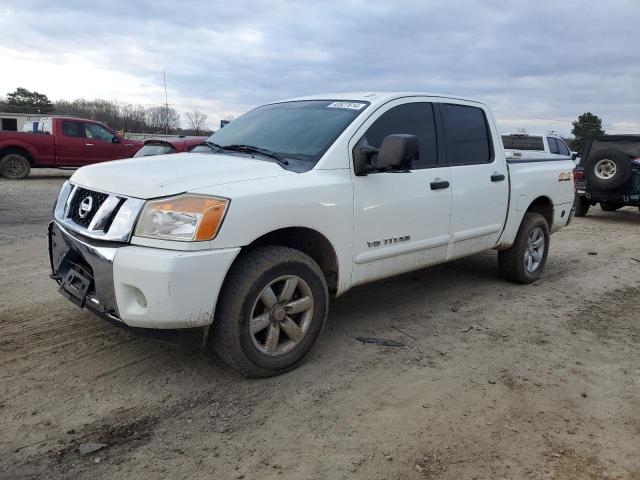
<point x="135" y="286"/>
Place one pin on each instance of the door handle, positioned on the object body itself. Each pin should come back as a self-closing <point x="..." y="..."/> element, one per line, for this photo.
<point x="497" y="177"/>
<point x="439" y="185"/>
<point x="88" y="144"/>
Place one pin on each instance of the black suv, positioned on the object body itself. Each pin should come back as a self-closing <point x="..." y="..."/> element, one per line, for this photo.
<point x="608" y="174"/>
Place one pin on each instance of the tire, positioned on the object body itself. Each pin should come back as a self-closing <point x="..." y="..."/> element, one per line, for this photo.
<point x="514" y="262"/>
<point x="241" y="300"/>
<point x="607" y="169"/>
<point x="610" y="207"/>
<point x="581" y="205"/>
<point x="14" y="166"/>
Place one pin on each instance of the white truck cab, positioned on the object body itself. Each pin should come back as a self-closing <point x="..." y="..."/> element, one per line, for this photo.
<point x="534" y="146"/>
<point x="293" y="202"/>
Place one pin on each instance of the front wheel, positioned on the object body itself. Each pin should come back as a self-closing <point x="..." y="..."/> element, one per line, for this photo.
<point x="270" y="312"/>
<point x="525" y="260"/>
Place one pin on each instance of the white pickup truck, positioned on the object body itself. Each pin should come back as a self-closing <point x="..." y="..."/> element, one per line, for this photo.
<point x="244" y="242"/>
<point x="533" y="146"/>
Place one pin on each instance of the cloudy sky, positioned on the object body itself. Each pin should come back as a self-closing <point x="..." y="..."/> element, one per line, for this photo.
<point x="537" y="63"/>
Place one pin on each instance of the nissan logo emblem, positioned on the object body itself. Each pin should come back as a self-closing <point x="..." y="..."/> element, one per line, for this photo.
<point x="85" y="207"/>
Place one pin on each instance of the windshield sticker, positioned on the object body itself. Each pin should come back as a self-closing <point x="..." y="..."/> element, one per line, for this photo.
<point x="349" y="105"/>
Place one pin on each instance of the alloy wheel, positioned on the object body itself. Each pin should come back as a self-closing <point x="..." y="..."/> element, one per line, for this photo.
<point x="534" y="251"/>
<point x="281" y="315"/>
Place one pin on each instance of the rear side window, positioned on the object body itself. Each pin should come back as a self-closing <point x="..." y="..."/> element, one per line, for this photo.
<point x="154" y="149"/>
<point x="412" y="119"/>
<point x="73" y="129"/>
<point x="553" y="145"/>
<point x="522" y="142"/>
<point x="467" y="135"/>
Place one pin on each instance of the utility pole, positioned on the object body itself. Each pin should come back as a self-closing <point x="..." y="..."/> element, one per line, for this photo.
<point x="166" y="105"/>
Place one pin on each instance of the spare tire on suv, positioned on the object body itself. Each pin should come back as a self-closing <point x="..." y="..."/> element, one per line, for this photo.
<point x="607" y="169"/>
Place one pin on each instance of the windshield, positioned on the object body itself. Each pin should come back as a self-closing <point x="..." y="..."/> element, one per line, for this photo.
<point x="301" y="130"/>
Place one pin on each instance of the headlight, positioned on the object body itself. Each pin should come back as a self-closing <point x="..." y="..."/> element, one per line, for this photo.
<point x="61" y="201"/>
<point x="185" y="217"/>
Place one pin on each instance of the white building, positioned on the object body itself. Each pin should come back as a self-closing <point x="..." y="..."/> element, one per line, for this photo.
<point x="15" y="121"/>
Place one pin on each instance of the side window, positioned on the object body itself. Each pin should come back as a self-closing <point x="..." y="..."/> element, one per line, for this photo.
<point x="467" y="135"/>
<point x="562" y="147"/>
<point x="73" y="129"/>
<point x="97" y="132"/>
<point x="553" y="146"/>
<point x="410" y="118"/>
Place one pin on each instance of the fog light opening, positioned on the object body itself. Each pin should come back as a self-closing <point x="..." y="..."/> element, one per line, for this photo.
<point x="139" y="296"/>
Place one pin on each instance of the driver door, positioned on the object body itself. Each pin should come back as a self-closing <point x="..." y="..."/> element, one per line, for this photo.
<point x="401" y="219"/>
<point x="100" y="146"/>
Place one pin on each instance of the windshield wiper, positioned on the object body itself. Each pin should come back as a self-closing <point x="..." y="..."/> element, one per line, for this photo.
<point x="212" y="144"/>
<point x="252" y="149"/>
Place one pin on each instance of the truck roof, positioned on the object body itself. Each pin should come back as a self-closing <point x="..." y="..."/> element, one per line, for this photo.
<point x="69" y="117"/>
<point x="375" y="98"/>
<point x="530" y="134"/>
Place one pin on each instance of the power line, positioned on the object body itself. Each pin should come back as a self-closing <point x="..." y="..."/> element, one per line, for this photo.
<point x="570" y="122"/>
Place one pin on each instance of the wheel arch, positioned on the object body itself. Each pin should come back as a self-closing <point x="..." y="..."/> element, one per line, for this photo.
<point x="309" y="241"/>
<point x="544" y="206"/>
<point x="541" y="205"/>
<point x="19" y="149"/>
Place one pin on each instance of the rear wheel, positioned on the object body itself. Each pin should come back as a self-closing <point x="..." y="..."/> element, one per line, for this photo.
<point x="610" y="207"/>
<point x="14" y="166"/>
<point x="271" y="310"/>
<point x="581" y="205"/>
<point x="525" y="260"/>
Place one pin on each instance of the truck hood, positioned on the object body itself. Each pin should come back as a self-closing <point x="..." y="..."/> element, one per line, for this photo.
<point x="162" y="175"/>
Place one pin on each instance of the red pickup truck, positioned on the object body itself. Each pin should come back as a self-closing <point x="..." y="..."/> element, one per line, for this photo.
<point x="61" y="142"/>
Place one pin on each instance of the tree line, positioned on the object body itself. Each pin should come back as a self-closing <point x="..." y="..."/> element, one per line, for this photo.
<point x="161" y="119"/>
<point x="119" y="116"/>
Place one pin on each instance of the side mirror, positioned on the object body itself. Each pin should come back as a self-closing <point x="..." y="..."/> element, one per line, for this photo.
<point x="397" y="153"/>
<point x="574" y="155"/>
<point x="115" y="139"/>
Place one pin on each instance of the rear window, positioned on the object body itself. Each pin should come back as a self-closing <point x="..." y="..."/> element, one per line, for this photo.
<point x="154" y="149"/>
<point x="522" y="142"/>
<point x="466" y="134"/>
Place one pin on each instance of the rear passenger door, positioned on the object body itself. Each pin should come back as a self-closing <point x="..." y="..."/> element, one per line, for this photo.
<point x="479" y="178"/>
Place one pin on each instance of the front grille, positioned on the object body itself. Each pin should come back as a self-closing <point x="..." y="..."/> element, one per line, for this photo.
<point x="97" y="199"/>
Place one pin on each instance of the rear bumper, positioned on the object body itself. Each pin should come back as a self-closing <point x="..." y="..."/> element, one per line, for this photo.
<point x="613" y="197"/>
<point x="141" y="286"/>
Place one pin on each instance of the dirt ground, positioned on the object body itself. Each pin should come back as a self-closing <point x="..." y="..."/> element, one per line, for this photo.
<point x="495" y="380"/>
